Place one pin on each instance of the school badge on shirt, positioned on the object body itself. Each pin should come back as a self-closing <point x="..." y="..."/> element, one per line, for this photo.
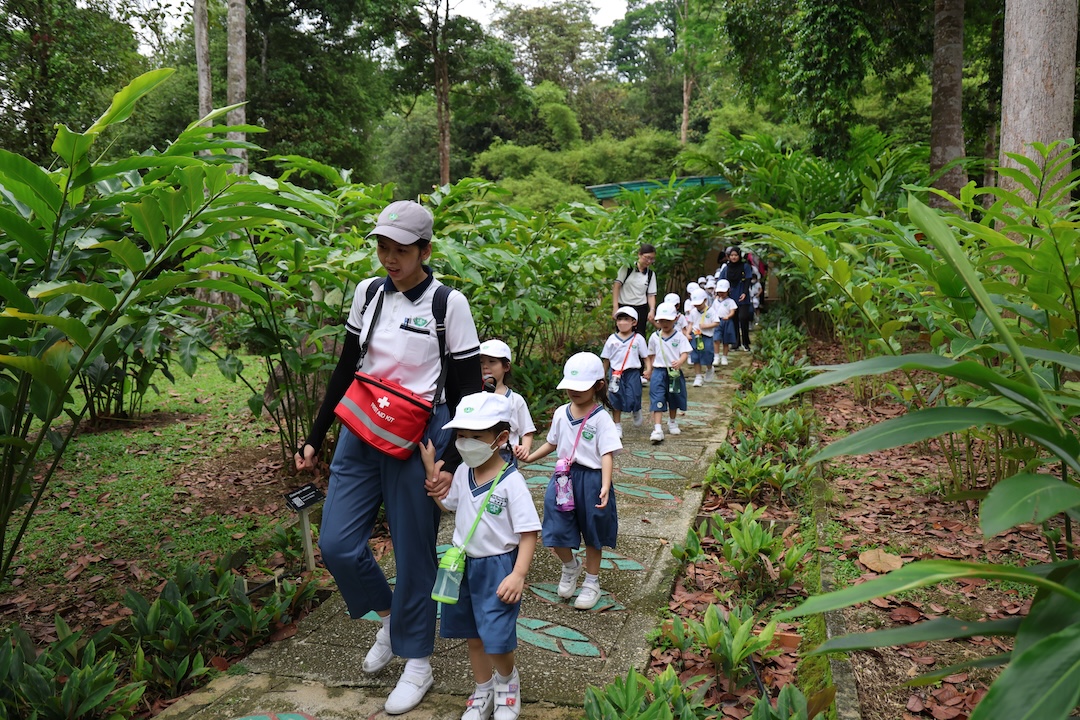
<point x="496" y="504"/>
<point x="589" y="432"/>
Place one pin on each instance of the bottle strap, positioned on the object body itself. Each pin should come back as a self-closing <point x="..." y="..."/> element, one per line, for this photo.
<point x="580" y="428"/>
<point x="629" y="349"/>
<point x="483" y="506"/>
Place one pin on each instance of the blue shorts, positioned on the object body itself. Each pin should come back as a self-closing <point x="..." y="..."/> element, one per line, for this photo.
<point x="660" y="396"/>
<point x="479" y="613"/>
<point x="628" y="399"/>
<point x="702" y="357"/>
<point x="598" y="526"/>
<point x="725" y="332"/>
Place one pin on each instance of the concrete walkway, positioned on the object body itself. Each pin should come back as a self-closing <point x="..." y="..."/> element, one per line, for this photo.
<point x="561" y="650"/>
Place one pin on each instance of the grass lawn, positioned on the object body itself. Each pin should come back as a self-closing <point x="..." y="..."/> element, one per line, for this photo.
<point x="197" y="477"/>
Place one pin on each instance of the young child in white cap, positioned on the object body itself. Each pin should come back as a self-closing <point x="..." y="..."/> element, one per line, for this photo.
<point x="725" y="330"/>
<point x="585" y="437"/>
<point x="702" y="319"/>
<point x="495" y="366"/>
<point x="624" y="354"/>
<point x="680" y="320"/>
<point x="498" y="553"/>
<point x="670" y="350"/>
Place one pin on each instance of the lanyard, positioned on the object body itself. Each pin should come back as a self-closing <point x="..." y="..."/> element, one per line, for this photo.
<point x="483" y="506"/>
<point x="582" y="427"/>
<point x="627" y="356"/>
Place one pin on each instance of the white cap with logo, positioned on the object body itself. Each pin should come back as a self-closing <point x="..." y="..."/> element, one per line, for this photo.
<point x="404" y="222"/>
<point x="496" y="349"/>
<point x="666" y="311"/>
<point x="480" y="411"/>
<point x="581" y="372"/>
<point x="627" y="311"/>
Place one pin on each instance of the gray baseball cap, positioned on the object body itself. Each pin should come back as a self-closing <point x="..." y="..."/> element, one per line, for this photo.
<point x="404" y="222"/>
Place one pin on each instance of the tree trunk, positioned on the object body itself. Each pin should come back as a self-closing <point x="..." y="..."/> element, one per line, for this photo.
<point x="201" y="21"/>
<point x="237" y="61"/>
<point x="687" y="93"/>
<point x="441" y="61"/>
<point x="1038" y="80"/>
<point x="947" y="107"/>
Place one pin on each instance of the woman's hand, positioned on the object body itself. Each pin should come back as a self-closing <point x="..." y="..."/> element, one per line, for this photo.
<point x="305" y="459"/>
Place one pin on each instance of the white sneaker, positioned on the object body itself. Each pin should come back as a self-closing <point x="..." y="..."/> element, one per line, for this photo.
<point x="568" y="581"/>
<point x="699" y="381"/>
<point x="746" y="348"/>
<point x="637" y="418"/>
<point x="508" y="698"/>
<point x="710" y="376"/>
<point x="716" y="361"/>
<point x="723" y="360"/>
<point x="657" y="435"/>
<point x="380" y="654"/>
<point x="673" y="429"/>
<point x="408" y="693"/>
<point x="479" y="706"/>
<point x="588" y="596"/>
<point x="618" y="430"/>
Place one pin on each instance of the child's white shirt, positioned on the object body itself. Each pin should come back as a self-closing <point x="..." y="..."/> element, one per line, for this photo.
<point x="674" y="347"/>
<point x="725" y="307"/>
<point x="598" y="438"/>
<point x="708" y="315"/>
<point x="511" y="512"/>
<point x="633" y="350"/>
<point x="681" y="323"/>
<point x="521" y="422"/>
<point x="755" y="293"/>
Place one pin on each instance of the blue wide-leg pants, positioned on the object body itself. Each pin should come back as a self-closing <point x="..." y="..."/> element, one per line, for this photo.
<point x="361" y="480"/>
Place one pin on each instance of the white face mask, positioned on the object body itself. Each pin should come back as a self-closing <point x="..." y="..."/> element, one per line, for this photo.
<point x="474" y="453"/>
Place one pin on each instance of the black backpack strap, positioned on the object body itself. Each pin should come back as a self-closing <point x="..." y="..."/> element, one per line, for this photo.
<point x="438" y="312"/>
<point x="372" y="288"/>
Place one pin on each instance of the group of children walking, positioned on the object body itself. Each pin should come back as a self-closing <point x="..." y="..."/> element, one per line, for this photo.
<point x="497" y="524"/>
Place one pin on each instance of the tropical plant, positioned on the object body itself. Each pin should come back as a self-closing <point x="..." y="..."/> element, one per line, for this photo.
<point x="1011" y="371"/>
<point x="638" y="698"/>
<point x="729" y="640"/>
<point x="791" y="704"/>
<point x="89" y="249"/>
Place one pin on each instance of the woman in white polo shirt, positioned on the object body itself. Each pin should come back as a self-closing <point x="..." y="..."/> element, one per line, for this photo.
<point x="402" y="347"/>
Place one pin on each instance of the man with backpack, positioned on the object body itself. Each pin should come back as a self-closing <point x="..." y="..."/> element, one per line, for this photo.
<point x="635" y="286"/>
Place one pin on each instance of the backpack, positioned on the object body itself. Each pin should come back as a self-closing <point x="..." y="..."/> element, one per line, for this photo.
<point x="630" y="269"/>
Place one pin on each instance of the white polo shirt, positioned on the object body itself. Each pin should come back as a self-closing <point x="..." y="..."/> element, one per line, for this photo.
<point x="509" y="512"/>
<point x="598" y="438"/>
<point x="404" y="347"/>
<point x="637" y="286"/>
<point x="633" y="350"/>
<point x="521" y="422"/>
<point x="673" y="347"/>
<point x="725" y="307"/>
<point x="696" y="317"/>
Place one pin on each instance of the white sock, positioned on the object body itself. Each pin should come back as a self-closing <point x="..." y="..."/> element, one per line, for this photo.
<point x="658" y="427"/>
<point x="503" y="679"/>
<point x="385" y="622"/>
<point x="592" y="580"/>
<point x="417" y="667"/>
<point x="572" y="565"/>
<point x="482" y="688"/>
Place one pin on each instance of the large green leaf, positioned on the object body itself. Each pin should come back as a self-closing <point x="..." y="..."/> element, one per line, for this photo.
<point x="940" y="629"/>
<point x="1042" y="683"/>
<point x="31" y="186"/>
<point x="71" y="146"/>
<point x="242" y="272"/>
<point x="921" y="574"/>
<point x="147" y="219"/>
<point x="1025" y="498"/>
<point x="94" y="292"/>
<point x="39" y="370"/>
<point x="33" y="242"/>
<point x="1050" y="612"/>
<point x="910" y="428"/>
<point x="14" y="296"/>
<point x="125" y="251"/>
<point x="123" y="102"/>
<point x="71" y="327"/>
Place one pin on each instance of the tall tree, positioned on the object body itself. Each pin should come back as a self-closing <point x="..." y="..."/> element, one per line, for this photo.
<point x="694" y="47"/>
<point x="556" y="42"/>
<point x="947" y="106"/>
<point x="441" y="52"/>
<point x="201" y="23"/>
<point x="60" y="62"/>
<point x="1039" y="78"/>
<point x="237" y="77"/>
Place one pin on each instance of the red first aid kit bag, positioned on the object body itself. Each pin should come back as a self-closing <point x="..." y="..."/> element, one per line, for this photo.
<point x="385" y="415"/>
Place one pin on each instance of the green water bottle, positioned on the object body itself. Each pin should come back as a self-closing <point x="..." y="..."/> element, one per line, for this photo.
<point x="448" y="580"/>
